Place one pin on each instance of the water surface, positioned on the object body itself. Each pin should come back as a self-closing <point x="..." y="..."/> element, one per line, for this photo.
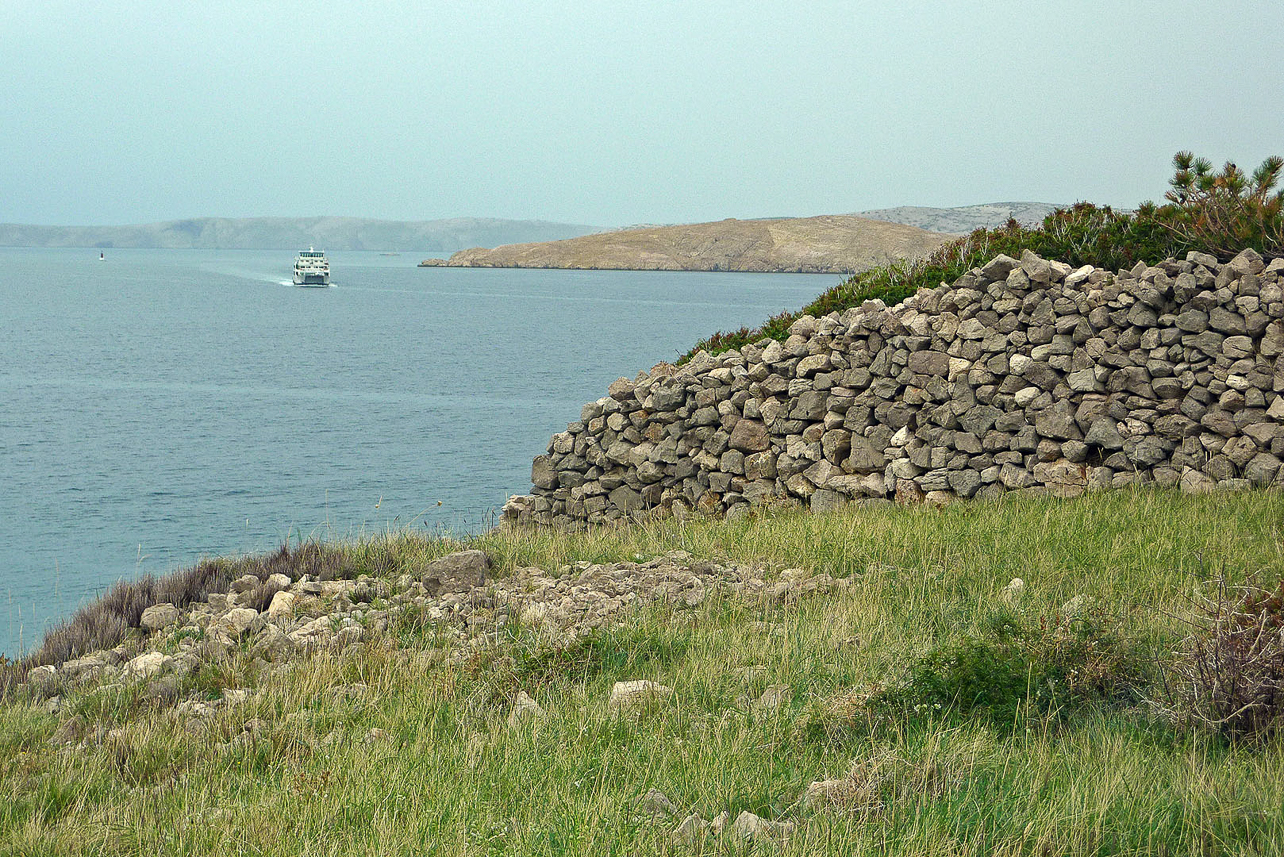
<point x="167" y="404"/>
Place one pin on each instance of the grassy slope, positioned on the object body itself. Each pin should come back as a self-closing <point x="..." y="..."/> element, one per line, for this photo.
<point x="452" y="778"/>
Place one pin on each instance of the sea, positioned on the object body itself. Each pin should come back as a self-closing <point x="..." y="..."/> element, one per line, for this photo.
<point x="160" y="406"/>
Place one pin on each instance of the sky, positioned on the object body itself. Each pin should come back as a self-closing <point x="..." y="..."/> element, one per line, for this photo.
<point x="613" y="114"/>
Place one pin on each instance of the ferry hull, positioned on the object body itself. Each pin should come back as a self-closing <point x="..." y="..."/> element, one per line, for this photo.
<point x="311" y="280"/>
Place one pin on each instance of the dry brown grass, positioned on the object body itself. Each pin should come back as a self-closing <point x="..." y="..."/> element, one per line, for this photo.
<point x="107" y="621"/>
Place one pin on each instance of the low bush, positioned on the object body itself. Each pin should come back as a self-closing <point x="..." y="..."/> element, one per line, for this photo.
<point x="1083" y="234"/>
<point x="1228" y="674"/>
<point x="1015" y="666"/>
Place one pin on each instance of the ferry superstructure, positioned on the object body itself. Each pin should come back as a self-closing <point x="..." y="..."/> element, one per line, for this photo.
<point x="311" y="268"/>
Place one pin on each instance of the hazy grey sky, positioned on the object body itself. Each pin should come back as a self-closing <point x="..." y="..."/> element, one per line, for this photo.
<point x="617" y="113"/>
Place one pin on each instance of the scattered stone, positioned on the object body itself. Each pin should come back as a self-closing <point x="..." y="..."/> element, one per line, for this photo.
<point x="851" y="794"/>
<point x="692" y="829"/>
<point x="238" y="620"/>
<point x="632" y="697"/>
<point x="525" y="710"/>
<point x="147" y="665"/>
<point x="458" y="572"/>
<point x="160" y="616"/>
<point x="1015" y="590"/>
<point x="282" y="605"/>
<point x="71" y="732"/>
<point x="349" y="635"/>
<point x="87" y="667"/>
<point x="772" y="698"/>
<point x="751" y="828"/>
<point x="1077" y="607"/>
<point x="42" y="674"/>
<point x="654" y="803"/>
<point x="234" y="696"/>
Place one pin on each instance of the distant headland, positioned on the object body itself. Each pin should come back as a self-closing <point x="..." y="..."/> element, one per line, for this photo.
<point x="819" y="245"/>
<point x="828" y="244"/>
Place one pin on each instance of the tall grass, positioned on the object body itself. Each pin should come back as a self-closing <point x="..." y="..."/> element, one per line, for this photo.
<point x="448" y="775"/>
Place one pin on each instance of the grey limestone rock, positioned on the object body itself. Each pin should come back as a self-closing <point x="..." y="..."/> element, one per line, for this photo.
<point x="1024" y="375"/>
<point x="456" y="572"/>
<point x="160" y="616"/>
<point x="751" y="828"/>
<point x="543" y="474"/>
<point x="1104" y="433"/>
<point x="750" y="436"/>
<point x="999" y="267"/>
<point x="634" y="697"/>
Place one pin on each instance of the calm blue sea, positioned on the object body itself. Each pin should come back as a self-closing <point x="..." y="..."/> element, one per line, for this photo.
<point x="164" y="405"/>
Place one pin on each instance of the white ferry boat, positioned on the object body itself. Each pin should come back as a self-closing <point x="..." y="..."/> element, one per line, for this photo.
<point x="311" y="268"/>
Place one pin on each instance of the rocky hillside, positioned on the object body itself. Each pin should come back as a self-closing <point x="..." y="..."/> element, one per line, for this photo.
<point x="966" y="218"/>
<point x="821" y="245"/>
<point x="291" y="233"/>
<point x="1024" y="375"/>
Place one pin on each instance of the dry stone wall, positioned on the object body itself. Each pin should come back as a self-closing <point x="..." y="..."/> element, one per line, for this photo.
<point x="1024" y="375"/>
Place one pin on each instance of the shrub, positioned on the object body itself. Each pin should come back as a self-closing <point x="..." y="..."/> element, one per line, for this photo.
<point x="1224" y="212"/>
<point x="1228" y="675"/>
<point x="1015" y="666"/>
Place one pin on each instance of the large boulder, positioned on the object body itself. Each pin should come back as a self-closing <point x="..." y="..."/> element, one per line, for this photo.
<point x="457" y="572"/>
<point x="160" y="616"/>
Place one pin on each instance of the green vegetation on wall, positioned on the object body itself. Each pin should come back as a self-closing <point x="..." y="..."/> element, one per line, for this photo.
<point x="1219" y="213"/>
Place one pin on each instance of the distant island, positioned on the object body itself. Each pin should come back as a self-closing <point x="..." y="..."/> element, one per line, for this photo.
<point x="293" y="233"/>
<point x="830" y="244"/>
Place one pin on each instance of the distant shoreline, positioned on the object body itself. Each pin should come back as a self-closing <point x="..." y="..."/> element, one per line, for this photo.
<point x="444" y="263"/>
<point x="841" y="245"/>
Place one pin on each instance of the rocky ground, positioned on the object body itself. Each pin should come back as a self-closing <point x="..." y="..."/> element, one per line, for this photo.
<point x="460" y="600"/>
<point x="456" y="596"/>
<point x="966" y="218"/>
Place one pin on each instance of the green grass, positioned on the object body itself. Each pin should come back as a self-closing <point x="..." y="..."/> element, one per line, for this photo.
<point x="451" y="777"/>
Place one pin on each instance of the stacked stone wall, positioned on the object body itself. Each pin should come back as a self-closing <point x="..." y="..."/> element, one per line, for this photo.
<point x="1024" y="375"/>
